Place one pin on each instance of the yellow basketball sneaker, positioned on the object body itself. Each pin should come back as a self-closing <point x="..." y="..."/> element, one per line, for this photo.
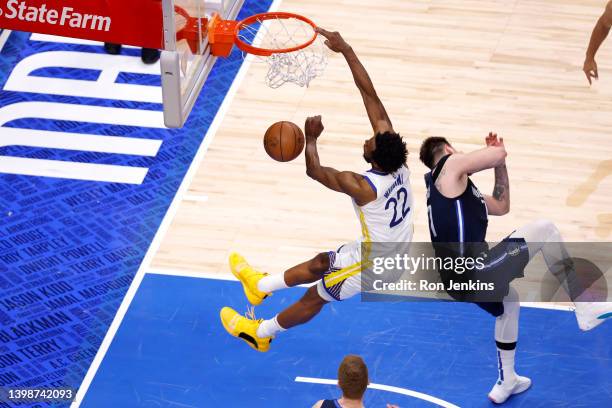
<point x="248" y="277"/>
<point x="244" y="328"/>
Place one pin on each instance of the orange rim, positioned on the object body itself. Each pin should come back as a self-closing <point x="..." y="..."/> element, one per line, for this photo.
<point x="266" y="52"/>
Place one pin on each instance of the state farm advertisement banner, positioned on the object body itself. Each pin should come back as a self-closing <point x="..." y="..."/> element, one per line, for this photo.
<point x="129" y="22"/>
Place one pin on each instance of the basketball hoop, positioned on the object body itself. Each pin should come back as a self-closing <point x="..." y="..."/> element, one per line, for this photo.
<point x="285" y="41"/>
<point x="276" y="44"/>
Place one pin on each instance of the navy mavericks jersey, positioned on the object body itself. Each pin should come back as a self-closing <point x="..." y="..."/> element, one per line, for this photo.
<point x="462" y="219"/>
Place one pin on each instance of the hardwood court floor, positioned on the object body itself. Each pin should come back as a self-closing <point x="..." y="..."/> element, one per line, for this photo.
<point x="457" y="68"/>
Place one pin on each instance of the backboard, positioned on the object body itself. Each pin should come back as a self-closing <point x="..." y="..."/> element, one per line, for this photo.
<point x="186" y="63"/>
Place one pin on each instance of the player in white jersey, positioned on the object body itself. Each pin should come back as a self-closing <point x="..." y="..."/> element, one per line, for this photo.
<point x="383" y="203"/>
<point x="386" y="219"/>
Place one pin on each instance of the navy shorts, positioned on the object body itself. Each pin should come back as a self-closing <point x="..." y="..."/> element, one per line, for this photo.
<point x="502" y="264"/>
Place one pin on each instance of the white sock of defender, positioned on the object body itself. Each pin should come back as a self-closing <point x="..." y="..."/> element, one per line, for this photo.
<point x="509" y="383"/>
<point x="269" y="328"/>
<point x="505" y="365"/>
<point x="271" y="283"/>
<point x="506" y="336"/>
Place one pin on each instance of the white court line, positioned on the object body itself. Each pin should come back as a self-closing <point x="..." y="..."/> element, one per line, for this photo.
<point x="3" y="37"/>
<point x="383" y="387"/>
<point x="195" y="197"/>
<point x="226" y="276"/>
<point x="163" y="228"/>
<point x="545" y="305"/>
<point x="229" y="277"/>
<point x="193" y="274"/>
<point x="68" y="40"/>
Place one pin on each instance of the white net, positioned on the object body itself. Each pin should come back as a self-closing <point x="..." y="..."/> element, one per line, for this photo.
<point x="300" y="66"/>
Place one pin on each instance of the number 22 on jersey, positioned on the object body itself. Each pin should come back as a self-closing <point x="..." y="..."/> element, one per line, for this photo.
<point x="400" y="207"/>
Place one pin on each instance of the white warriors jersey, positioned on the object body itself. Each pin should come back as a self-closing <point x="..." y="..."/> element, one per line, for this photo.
<point x="389" y="217"/>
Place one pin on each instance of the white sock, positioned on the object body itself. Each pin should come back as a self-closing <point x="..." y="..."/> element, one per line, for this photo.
<point x="269" y="328"/>
<point x="506" y="336"/>
<point x="271" y="283"/>
<point x="505" y="363"/>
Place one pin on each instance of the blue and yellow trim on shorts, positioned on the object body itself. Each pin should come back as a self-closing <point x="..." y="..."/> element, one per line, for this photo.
<point x="335" y="278"/>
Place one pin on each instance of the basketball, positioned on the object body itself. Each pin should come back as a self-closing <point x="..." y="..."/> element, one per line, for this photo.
<point x="284" y="141"/>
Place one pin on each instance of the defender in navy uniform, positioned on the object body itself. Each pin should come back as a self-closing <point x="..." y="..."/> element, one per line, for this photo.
<point x="458" y="219"/>
<point x="459" y="229"/>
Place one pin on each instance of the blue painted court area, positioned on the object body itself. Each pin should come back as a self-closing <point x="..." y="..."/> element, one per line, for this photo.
<point x="70" y="247"/>
<point x="171" y="351"/>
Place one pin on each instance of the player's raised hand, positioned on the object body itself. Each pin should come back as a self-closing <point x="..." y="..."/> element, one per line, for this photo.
<point x="313" y="127"/>
<point x="334" y="40"/>
<point x="493" y="140"/>
<point x="490" y="139"/>
<point x="590" y="69"/>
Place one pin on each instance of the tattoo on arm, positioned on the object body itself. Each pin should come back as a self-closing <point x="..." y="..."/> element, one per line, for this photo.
<point x="498" y="192"/>
<point x="501" y="191"/>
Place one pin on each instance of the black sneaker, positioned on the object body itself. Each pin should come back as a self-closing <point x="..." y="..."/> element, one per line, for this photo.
<point x="149" y="55"/>
<point x="112" y="49"/>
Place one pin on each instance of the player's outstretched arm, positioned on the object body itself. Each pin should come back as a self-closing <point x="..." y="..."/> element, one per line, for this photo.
<point x="465" y="164"/>
<point x="376" y="111"/>
<point x="453" y="178"/>
<point x="599" y="34"/>
<point x="346" y="182"/>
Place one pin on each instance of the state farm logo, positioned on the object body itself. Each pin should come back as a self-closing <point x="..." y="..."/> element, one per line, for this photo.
<point x="66" y="16"/>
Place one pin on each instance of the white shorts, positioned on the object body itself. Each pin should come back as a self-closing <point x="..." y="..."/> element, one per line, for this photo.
<point x="343" y="280"/>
